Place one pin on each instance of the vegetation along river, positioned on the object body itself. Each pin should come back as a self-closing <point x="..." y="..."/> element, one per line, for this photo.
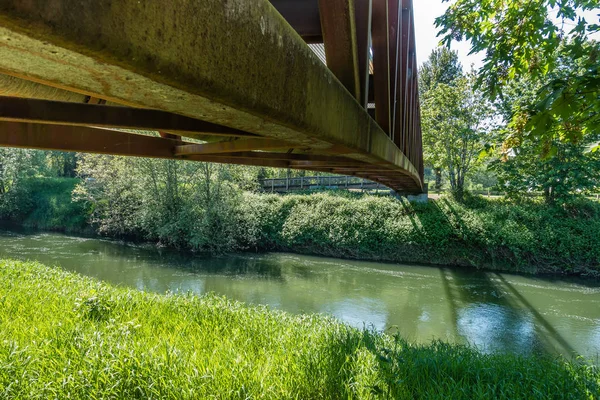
<point x="493" y="311"/>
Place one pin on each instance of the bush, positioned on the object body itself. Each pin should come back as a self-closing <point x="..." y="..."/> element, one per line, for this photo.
<point x="479" y="232"/>
<point x="45" y="203"/>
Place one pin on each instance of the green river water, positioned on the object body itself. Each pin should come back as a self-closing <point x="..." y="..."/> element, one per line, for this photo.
<point x="493" y="311"/>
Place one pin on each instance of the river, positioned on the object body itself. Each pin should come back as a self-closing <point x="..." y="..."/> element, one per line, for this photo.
<point x="492" y="311"/>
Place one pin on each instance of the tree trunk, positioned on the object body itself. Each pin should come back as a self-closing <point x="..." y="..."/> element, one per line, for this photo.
<point x="459" y="189"/>
<point x="548" y="195"/>
<point x="438" y="179"/>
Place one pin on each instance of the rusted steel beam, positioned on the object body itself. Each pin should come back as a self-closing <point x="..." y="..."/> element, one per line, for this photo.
<point x="377" y="178"/>
<point x="292" y="157"/>
<point x="84" y="139"/>
<point x="371" y="92"/>
<point x="393" y="25"/>
<point x="328" y="164"/>
<point x="339" y="37"/>
<point x="400" y="69"/>
<point x="303" y="16"/>
<point x="381" y="64"/>
<point x="107" y="141"/>
<point x="82" y="114"/>
<point x="363" y="16"/>
<point x="95" y="100"/>
<point x="350" y="171"/>
<point x="104" y="141"/>
<point x="231" y="146"/>
<point x="411" y="108"/>
<point x="414" y="93"/>
<point x="238" y="160"/>
<point x="419" y="134"/>
<point x="401" y="126"/>
<point x="169" y="136"/>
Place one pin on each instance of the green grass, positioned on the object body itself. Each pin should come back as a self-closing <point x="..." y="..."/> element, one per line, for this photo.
<point x="45" y="203"/>
<point x="65" y="336"/>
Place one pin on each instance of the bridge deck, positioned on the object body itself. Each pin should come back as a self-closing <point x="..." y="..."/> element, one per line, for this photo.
<point x="237" y="75"/>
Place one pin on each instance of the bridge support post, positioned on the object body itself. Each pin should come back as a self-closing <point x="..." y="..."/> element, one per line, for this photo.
<point x="418" y="198"/>
<point x="413" y="198"/>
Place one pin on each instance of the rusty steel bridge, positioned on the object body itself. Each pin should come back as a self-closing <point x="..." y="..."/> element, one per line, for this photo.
<point x="322" y="85"/>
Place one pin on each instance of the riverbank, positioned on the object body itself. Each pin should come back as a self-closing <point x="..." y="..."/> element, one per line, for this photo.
<point x="493" y="234"/>
<point x="46" y="204"/>
<point x="74" y="337"/>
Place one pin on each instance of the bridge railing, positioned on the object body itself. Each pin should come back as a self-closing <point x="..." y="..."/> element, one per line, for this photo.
<point x="318" y="182"/>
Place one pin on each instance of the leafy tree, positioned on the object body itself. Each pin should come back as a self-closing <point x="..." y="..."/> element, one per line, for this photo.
<point x="483" y="177"/>
<point x="443" y="67"/>
<point x="521" y="38"/>
<point x="15" y="166"/>
<point x="455" y="123"/>
<point x="572" y="171"/>
<point x="567" y="111"/>
<point x="62" y="164"/>
<point x="550" y="154"/>
<point x="176" y="203"/>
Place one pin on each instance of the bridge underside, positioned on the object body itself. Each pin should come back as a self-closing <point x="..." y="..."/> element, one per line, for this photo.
<point x="229" y="81"/>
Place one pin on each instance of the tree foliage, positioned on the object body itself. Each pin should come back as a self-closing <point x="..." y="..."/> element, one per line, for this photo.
<point x="573" y="170"/>
<point x="16" y="165"/>
<point x="455" y="122"/>
<point x="175" y="203"/>
<point x="521" y="38"/>
<point x="553" y="153"/>
<point x="442" y="66"/>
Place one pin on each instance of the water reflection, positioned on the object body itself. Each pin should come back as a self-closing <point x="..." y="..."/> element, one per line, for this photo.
<point x="495" y="312"/>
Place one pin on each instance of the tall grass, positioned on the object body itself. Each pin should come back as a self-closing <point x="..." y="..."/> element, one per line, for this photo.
<point x="65" y="336"/>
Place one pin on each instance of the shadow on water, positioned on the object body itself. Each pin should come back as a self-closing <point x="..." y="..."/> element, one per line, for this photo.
<point x="492" y="315"/>
<point x="451" y="298"/>
<point x="485" y="317"/>
<point x="470" y="305"/>
<point x="550" y="331"/>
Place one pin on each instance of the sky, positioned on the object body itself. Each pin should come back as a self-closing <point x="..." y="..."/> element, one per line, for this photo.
<point x="426" y="12"/>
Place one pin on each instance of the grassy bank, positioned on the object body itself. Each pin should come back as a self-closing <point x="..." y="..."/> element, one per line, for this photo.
<point x="485" y="233"/>
<point x="46" y="203"/>
<point x="64" y="336"/>
<point x="478" y="232"/>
